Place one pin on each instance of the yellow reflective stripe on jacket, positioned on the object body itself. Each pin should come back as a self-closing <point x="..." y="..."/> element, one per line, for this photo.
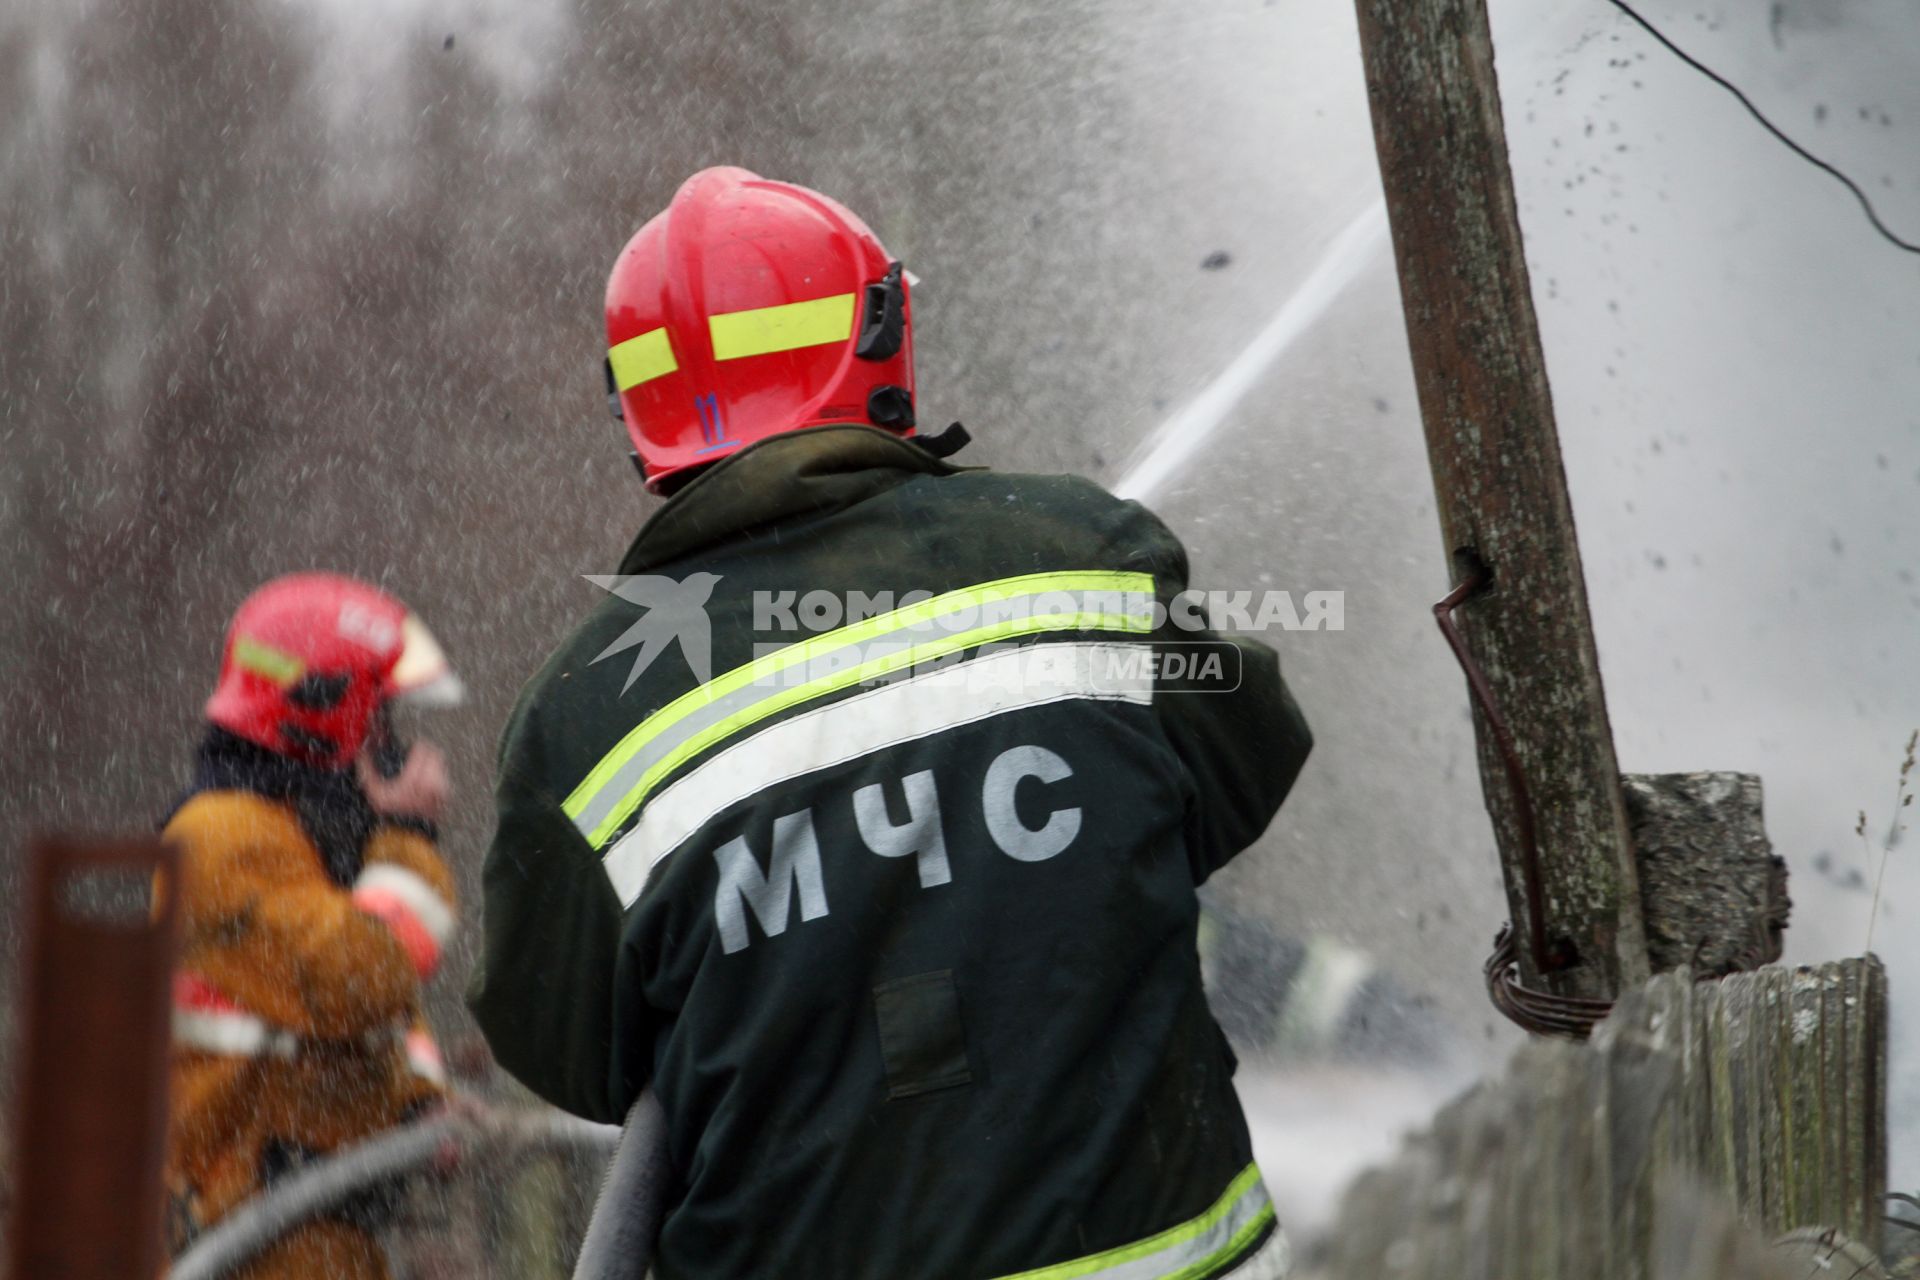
<point x="933" y="628"/>
<point x="763" y="331"/>
<point x="923" y="703"/>
<point x="641" y="359"/>
<point x="1189" y="1251"/>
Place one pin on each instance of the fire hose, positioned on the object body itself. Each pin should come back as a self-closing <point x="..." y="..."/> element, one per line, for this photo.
<point x="626" y="1218"/>
<point x="619" y="1240"/>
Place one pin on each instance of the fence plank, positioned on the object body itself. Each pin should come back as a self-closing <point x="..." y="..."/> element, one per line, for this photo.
<point x="1702" y="1120"/>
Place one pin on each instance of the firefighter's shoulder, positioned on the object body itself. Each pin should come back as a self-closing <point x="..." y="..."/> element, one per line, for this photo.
<point x="1068" y="514"/>
<point x="644" y="643"/>
<point x="219" y="825"/>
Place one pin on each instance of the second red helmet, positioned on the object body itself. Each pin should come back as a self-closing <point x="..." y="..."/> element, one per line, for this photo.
<point x="749" y="308"/>
<point x="311" y="657"/>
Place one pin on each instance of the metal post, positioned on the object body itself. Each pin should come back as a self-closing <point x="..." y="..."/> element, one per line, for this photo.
<point x="101" y="920"/>
<point x="1502" y="495"/>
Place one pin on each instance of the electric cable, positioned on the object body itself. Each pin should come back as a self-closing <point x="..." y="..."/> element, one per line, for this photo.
<point x="1873" y="215"/>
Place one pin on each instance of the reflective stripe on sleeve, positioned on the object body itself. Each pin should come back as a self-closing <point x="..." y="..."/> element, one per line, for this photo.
<point x="389" y="881"/>
<point x="417" y="916"/>
<point x="926" y="703"/>
<point x="765" y="330"/>
<point x="1320" y="996"/>
<point x="423" y="1057"/>
<point x="864" y="651"/>
<point x="1196" y="1248"/>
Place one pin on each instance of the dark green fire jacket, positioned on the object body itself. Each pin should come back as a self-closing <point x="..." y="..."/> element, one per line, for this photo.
<point x="863" y="818"/>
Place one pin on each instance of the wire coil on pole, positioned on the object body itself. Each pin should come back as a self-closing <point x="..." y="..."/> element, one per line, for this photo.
<point x="1542" y="1013"/>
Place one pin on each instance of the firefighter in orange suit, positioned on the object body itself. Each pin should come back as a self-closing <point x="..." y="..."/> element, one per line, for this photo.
<point x="315" y="908"/>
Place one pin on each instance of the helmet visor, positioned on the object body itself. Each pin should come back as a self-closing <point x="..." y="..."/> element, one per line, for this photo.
<point x="423" y="677"/>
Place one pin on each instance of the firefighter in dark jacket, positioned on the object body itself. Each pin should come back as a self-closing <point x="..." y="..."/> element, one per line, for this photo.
<point x="862" y="819"/>
<point x="315" y="906"/>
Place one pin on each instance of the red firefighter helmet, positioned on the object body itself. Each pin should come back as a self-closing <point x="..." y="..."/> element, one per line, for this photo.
<point x="310" y="659"/>
<point x="750" y="308"/>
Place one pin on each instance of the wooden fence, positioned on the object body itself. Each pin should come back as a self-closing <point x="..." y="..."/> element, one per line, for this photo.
<point x="1703" y="1124"/>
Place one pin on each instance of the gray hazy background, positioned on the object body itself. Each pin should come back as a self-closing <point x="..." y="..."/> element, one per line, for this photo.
<point x="317" y="284"/>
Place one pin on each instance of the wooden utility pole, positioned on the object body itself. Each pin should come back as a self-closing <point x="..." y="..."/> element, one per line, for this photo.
<point x="1501" y="492"/>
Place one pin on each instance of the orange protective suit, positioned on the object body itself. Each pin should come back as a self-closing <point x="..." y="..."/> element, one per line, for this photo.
<point x="296" y="1020"/>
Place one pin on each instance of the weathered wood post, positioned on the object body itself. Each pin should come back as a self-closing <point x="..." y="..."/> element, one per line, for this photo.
<point x="1712" y="891"/>
<point x="1502" y="495"/>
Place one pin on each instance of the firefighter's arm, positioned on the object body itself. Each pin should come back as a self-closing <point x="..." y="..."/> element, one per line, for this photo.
<point x="543" y="991"/>
<point x="403" y="882"/>
<point x="405" y="885"/>
<point x="1241" y="748"/>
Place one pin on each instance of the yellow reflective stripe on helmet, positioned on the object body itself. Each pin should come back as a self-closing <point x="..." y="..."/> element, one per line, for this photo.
<point x="264" y="660"/>
<point x="641" y="359"/>
<point x="1197" y="1247"/>
<point x="739" y="334"/>
<point x="709" y="713"/>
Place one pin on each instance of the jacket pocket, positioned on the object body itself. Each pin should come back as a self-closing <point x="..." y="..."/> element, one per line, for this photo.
<point x="922" y="1042"/>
